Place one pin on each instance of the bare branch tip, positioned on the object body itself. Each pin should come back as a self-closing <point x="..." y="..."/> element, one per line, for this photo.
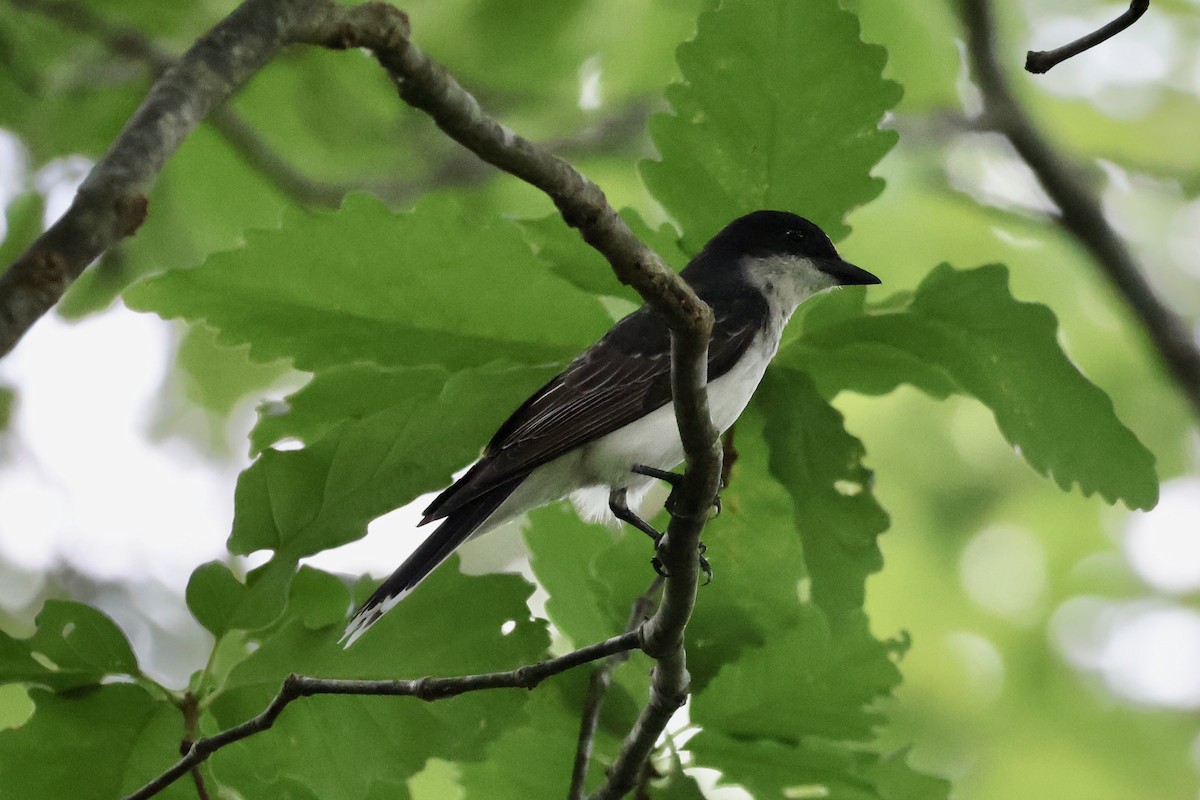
<point x="1036" y="62"/>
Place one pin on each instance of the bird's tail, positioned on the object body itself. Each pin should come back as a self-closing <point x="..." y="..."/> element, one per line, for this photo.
<point x="455" y="530"/>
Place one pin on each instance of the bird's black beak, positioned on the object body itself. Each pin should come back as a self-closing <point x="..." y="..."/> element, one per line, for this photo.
<point x="846" y="273"/>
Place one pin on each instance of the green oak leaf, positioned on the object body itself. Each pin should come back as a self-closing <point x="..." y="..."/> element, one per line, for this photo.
<point x="378" y="439"/>
<point x="435" y="285"/>
<point x="340" y="746"/>
<point x="764" y="118"/>
<point x="963" y="332"/>
<point x="300" y="502"/>
<point x="812" y="768"/>
<point x="821" y="466"/>
<point x="582" y="265"/>
<point x="98" y="743"/>
<point x="74" y="645"/>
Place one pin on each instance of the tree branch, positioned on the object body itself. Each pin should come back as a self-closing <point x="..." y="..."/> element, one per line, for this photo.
<point x="1040" y="61"/>
<point x="429" y="689"/>
<point x="598" y="689"/>
<point x="1082" y="216"/>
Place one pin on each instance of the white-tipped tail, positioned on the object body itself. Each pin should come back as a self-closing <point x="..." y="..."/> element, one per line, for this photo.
<point x="454" y="530"/>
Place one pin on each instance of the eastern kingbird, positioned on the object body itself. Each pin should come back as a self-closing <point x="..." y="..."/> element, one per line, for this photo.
<point x="603" y="427"/>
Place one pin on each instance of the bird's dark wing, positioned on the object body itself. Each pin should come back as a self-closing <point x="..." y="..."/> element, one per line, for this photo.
<point x="621" y="378"/>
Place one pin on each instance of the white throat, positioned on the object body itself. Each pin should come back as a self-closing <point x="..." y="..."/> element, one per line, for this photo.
<point x="786" y="282"/>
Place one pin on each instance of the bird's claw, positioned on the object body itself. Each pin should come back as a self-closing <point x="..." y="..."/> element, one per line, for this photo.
<point x="705" y="567"/>
<point x="617" y="504"/>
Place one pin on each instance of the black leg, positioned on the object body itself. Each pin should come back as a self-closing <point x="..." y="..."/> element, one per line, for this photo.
<point x="617" y="504"/>
<point x="666" y="476"/>
<point x="620" y="509"/>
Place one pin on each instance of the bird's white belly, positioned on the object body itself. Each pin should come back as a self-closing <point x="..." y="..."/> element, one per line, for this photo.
<point x="654" y="440"/>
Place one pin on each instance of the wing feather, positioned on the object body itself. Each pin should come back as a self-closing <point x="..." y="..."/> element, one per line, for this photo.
<point x="624" y="376"/>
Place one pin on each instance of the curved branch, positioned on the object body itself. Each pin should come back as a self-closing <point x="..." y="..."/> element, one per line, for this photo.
<point x="1040" y="61"/>
<point x="428" y="689"/>
<point x="1082" y="216"/>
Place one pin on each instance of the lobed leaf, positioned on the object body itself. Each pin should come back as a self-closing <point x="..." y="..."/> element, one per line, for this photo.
<point x="764" y="119"/>
<point x="434" y="286"/>
<point x="343" y="746"/>
<point x="74" y="645"/>
<point x="963" y="332"/>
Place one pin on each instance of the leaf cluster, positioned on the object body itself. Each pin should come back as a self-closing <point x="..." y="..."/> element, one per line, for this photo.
<point x="422" y="329"/>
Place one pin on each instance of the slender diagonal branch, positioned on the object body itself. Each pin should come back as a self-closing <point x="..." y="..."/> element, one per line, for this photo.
<point x="1081" y="214"/>
<point x="1039" y="61"/>
<point x="598" y="687"/>
<point x="296" y="687"/>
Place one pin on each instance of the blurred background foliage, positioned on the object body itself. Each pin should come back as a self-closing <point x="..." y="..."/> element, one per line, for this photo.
<point x="1053" y="641"/>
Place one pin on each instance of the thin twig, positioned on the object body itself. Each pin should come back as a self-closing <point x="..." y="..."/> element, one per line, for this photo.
<point x="1081" y="214"/>
<point x="190" y="707"/>
<point x="598" y="689"/>
<point x="1040" y="61"/>
<point x="429" y="689"/>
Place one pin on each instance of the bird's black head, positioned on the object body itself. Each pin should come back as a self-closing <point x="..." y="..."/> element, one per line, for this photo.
<point x="766" y="234"/>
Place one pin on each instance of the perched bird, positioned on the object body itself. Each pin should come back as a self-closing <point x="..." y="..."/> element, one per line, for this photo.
<point x="605" y="428"/>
